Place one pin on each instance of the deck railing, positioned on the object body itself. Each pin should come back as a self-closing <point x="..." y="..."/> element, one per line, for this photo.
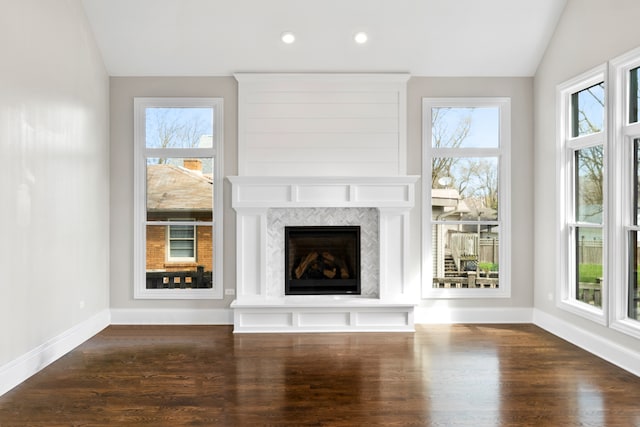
<point x="198" y="279"/>
<point x="469" y="279"/>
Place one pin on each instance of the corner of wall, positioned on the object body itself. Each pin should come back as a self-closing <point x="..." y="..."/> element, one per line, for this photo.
<point x="32" y="362"/>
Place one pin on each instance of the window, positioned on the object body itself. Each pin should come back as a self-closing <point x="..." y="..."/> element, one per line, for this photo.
<point x="625" y="103"/>
<point x="466" y="146"/>
<point x="599" y="204"/>
<point x="631" y="145"/>
<point x="582" y="170"/>
<point x="178" y="189"/>
<point x="182" y="243"/>
<point x="633" y="291"/>
<point x="633" y="95"/>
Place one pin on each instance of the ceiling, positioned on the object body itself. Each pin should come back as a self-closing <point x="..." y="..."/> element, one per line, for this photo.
<point x="421" y="37"/>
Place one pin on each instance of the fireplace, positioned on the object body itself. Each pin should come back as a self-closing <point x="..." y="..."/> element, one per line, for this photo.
<point x="379" y="297"/>
<point x="322" y="260"/>
<point x="283" y="183"/>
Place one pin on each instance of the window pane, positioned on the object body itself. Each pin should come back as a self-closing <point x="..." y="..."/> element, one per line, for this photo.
<point x="636" y="183"/>
<point x="587" y="111"/>
<point x="179" y="189"/>
<point x="465" y="256"/>
<point x="465" y="127"/>
<point x="181" y="232"/>
<point x="181" y="249"/>
<point x="179" y="127"/>
<point x="634" y="263"/>
<point x="589" y="180"/>
<point x="165" y="269"/>
<point x="589" y="265"/>
<point x="464" y="188"/>
<point x="634" y="96"/>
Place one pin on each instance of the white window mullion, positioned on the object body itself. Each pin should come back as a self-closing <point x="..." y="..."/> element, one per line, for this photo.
<point x="180" y="223"/>
<point x="179" y="152"/>
<point x="466" y="152"/>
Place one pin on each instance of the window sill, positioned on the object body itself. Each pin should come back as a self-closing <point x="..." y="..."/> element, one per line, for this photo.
<point x="178" y="294"/>
<point x="459" y="293"/>
<point x="627" y="326"/>
<point x="584" y="310"/>
<point x="172" y="265"/>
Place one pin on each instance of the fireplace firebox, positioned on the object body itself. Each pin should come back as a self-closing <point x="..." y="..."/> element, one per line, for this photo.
<point x="322" y="260"/>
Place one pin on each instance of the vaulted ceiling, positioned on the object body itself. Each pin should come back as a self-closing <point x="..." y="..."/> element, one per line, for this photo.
<point x="421" y="37"/>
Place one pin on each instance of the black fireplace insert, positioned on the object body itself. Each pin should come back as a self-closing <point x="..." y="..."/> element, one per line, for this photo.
<point x="322" y="260"/>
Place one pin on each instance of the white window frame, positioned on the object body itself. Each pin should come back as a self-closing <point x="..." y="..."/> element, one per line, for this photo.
<point x="503" y="153"/>
<point x="141" y="153"/>
<point x="567" y="147"/>
<point x="623" y="136"/>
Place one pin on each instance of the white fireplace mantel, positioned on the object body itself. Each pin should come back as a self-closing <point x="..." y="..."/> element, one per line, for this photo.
<point x="298" y="192"/>
<point x="262" y="307"/>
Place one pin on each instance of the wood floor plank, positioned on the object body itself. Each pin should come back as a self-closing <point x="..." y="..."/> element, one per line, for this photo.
<point x="458" y="375"/>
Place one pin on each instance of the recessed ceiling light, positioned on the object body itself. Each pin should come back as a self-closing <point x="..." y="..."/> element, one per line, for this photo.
<point x="288" y="37"/>
<point x="360" y="37"/>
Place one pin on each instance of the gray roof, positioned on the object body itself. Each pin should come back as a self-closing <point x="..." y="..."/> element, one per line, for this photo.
<point x="176" y="189"/>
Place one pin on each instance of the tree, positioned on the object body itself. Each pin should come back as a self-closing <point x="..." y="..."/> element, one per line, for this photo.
<point x="590" y="161"/>
<point x="175" y="128"/>
<point x="589" y="110"/>
<point x="482" y="182"/>
<point x="475" y="179"/>
<point x="445" y="137"/>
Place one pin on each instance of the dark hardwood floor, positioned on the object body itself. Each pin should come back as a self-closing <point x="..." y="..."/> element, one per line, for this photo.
<point x="461" y="375"/>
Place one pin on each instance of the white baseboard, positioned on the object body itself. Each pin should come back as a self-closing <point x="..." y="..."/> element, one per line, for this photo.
<point x="604" y="348"/>
<point x="155" y="316"/>
<point x="18" y="370"/>
<point x="446" y="315"/>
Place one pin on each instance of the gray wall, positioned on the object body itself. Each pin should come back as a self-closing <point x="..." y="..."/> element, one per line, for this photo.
<point x="589" y="33"/>
<point x="124" y="89"/>
<point x="54" y="178"/>
<point x="520" y="90"/>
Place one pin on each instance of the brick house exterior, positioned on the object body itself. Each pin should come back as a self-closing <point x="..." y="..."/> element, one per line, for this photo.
<point x="157" y="252"/>
<point x="178" y="193"/>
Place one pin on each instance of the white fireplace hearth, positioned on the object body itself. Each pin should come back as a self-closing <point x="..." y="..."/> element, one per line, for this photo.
<point x="379" y="205"/>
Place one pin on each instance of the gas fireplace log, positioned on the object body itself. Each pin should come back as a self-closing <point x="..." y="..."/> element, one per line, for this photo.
<point x="329" y="273"/>
<point x="329" y="260"/>
<point x="328" y="257"/>
<point x="327" y="265"/>
<point x="311" y="257"/>
<point x="344" y="271"/>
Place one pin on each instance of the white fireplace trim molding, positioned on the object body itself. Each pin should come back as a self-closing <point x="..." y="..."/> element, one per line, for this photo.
<point x="258" y="310"/>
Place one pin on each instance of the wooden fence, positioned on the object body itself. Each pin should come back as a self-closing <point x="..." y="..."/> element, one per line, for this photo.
<point x="589" y="251"/>
<point x="467" y="246"/>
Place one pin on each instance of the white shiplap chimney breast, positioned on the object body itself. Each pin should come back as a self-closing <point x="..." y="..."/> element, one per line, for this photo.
<point x="322" y="124"/>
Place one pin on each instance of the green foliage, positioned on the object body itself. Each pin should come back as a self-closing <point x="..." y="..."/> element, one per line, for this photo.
<point x="589" y="273"/>
<point x="487" y="266"/>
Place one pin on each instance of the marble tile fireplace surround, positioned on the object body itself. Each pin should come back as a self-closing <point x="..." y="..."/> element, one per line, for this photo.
<point x="379" y="205"/>
<point x="322" y="149"/>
